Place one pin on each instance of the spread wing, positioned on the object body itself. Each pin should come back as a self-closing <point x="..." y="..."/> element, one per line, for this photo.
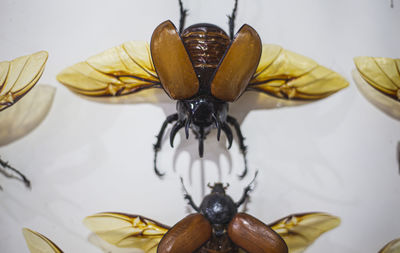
<point x="20" y="119"/>
<point x="127" y="231"/>
<point x="18" y="76"/>
<point x="391" y="247"/>
<point x="120" y="70"/>
<point x="381" y="73"/>
<point x="300" y="230"/>
<point x="38" y="243"/>
<point x="285" y="74"/>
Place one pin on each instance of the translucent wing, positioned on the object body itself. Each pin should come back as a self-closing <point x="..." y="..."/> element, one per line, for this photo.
<point x="117" y="71"/>
<point x="38" y="243"/>
<point x="381" y="73"/>
<point x="23" y="117"/>
<point x="300" y="230"/>
<point x="285" y="74"/>
<point x="391" y="247"/>
<point x="18" y="76"/>
<point x="383" y="102"/>
<point x="127" y="231"/>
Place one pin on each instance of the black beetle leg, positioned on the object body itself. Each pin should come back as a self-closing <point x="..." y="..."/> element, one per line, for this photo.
<point x="231" y="21"/>
<point x="5" y="165"/>
<point x="189" y="198"/>
<point x="171" y="118"/>
<point x="228" y="132"/>
<point x="182" y="20"/>
<point x="231" y="120"/>
<point x="246" y="191"/>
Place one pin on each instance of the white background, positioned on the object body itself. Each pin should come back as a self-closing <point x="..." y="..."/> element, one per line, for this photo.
<point x="337" y="155"/>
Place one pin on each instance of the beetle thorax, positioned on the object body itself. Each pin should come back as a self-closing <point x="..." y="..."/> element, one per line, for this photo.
<point x="218" y="208"/>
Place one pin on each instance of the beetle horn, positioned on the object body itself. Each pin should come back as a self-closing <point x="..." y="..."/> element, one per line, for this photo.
<point x="254" y="236"/>
<point x="187" y="126"/>
<point x="217" y="125"/>
<point x="187" y="235"/>
<point x="228" y="132"/>
<point x="201" y="142"/>
<point x="177" y="126"/>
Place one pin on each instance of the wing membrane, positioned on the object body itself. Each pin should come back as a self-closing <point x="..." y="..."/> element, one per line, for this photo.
<point x="300" y="230"/>
<point x="285" y="74"/>
<point x="120" y="70"/>
<point x="381" y="73"/>
<point x="38" y="243"/>
<point x="19" y="76"/>
<point x="127" y="231"/>
<point x="391" y="247"/>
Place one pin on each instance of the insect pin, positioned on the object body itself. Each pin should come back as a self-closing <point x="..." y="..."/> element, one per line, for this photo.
<point x="217" y="226"/>
<point x="17" y="78"/>
<point x="203" y="69"/>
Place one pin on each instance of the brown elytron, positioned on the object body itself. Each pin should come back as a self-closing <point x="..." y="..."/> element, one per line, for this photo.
<point x="172" y="62"/>
<point x="254" y="236"/>
<point x="238" y="65"/>
<point x="187" y="235"/>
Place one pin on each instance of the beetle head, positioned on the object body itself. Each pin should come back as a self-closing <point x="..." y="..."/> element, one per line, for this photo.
<point x="201" y="114"/>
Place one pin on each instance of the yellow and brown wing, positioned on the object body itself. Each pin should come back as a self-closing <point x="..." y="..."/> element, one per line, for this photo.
<point x="381" y="73"/>
<point x="18" y="76"/>
<point x="300" y="230"/>
<point x="127" y="231"/>
<point x="391" y="247"/>
<point x="285" y="74"/>
<point x="38" y="243"/>
<point x="120" y="70"/>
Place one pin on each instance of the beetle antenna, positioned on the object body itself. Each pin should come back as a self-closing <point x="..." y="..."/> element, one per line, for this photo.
<point x="182" y="20"/>
<point x="247" y="190"/>
<point x="6" y="165"/>
<point x="189" y="198"/>
<point x="177" y="126"/>
<point x="217" y="125"/>
<point x="231" y="21"/>
<point x="209" y="186"/>
<point x="228" y="132"/>
<point x="226" y="187"/>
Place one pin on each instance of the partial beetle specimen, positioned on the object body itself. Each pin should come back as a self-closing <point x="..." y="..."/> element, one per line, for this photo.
<point x="216" y="227"/>
<point x="17" y="78"/>
<point x="204" y="69"/>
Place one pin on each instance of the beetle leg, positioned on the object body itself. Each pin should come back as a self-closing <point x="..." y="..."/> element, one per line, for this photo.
<point x="171" y="118"/>
<point x="183" y="13"/>
<point x="189" y="198"/>
<point x="228" y="132"/>
<point x="231" y="120"/>
<point x="231" y="21"/>
<point x="246" y="191"/>
<point x="177" y="126"/>
<point x="5" y="165"/>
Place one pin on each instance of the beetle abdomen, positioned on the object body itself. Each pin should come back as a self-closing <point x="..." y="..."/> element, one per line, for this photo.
<point x="206" y="44"/>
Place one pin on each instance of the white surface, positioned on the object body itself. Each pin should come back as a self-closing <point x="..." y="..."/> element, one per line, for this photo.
<point x="337" y="155"/>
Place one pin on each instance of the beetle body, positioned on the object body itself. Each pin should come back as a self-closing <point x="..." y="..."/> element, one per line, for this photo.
<point x="203" y="69"/>
<point x="218" y="227"/>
